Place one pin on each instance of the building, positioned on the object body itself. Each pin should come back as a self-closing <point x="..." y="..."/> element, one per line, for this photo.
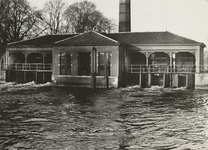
<point x="102" y="60"/>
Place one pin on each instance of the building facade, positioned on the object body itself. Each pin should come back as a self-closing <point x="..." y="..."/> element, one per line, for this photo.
<point x="102" y="60"/>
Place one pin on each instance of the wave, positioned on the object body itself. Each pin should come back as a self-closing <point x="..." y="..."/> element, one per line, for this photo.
<point x="13" y="86"/>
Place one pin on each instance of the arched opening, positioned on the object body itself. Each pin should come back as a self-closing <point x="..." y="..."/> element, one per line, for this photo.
<point x="184" y="63"/>
<point x="159" y="64"/>
<point x="184" y="60"/>
<point x="17" y="58"/>
<point x="34" y="58"/>
<point x="135" y="63"/>
<point x="159" y="59"/>
<point x="16" y="61"/>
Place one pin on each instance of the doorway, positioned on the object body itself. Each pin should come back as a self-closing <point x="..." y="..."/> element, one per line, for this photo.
<point x="84" y="62"/>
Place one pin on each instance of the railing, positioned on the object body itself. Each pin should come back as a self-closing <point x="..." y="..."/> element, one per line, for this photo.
<point x="129" y="69"/>
<point x="160" y="69"/>
<point x="28" y="67"/>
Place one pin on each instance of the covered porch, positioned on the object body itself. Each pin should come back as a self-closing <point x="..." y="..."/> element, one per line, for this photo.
<point x="22" y="67"/>
<point x="167" y="69"/>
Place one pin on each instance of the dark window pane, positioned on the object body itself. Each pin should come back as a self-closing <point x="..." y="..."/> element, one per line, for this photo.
<point x="104" y="58"/>
<point x="65" y="63"/>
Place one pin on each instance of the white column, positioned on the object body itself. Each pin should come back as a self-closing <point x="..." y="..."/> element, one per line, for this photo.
<point x="147" y="54"/>
<point x="197" y="60"/>
<point x="170" y="54"/>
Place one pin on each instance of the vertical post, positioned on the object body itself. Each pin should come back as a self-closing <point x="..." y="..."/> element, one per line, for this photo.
<point x="187" y="81"/>
<point x="149" y="80"/>
<point x="16" y="77"/>
<point x="172" y="66"/>
<point x="25" y="77"/>
<point x="175" y="80"/>
<point x="25" y="74"/>
<point x="193" y="81"/>
<point x="142" y="80"/>
<point x="94" y="64"/>
<point x="171" y="61"/>
<point x="43" y="55"/>
<point x="106" y="77"/>
<point x="164" y="80"/>
<point x="43" y="76"/>
<point x="147" y="57"/>
<point x="106" y="72"/>
<point x="149" y="76"/>
<point x="36" y="77"/>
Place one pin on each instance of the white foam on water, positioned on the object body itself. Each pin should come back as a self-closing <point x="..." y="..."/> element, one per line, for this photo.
<point x="11" y="86"/>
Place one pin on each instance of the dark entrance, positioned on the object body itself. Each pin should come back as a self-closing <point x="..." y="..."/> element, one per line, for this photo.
<point x="84" y="63"/>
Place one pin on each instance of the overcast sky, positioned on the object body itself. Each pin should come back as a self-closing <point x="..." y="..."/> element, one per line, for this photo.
<point x="188" y="18"/>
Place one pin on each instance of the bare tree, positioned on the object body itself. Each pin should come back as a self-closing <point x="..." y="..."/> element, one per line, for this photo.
<point x="83" y="16"/>
<point x="53" y="17"/>
<point x="16" y="20"/>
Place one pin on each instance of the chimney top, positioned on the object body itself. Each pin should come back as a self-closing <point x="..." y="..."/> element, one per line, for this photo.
<point x="124" y="16"/>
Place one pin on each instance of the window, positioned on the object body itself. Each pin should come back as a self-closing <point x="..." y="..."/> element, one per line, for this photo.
<point x="65" y="63"/>
<point x="103" y="59"/>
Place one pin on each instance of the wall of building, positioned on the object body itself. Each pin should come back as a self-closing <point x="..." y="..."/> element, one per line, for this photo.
<point x="74" y="78"/>
<point x="201" y="79"/>
<point x="83" y="81"/>
<point x="117" y="77"/>
<point x="121" y="69"/>
<point x="202" y="58"/>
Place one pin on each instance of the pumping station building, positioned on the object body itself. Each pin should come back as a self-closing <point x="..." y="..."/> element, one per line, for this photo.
<point x="107" y="59"/>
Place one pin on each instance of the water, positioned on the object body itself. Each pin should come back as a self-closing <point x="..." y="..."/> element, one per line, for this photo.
<point x="44" y="117"/>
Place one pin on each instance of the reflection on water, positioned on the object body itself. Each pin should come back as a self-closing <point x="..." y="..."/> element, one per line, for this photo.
<point x="81" y="118"/>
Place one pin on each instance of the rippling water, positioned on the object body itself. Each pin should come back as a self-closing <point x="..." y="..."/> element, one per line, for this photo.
<point x="60" y="118"/>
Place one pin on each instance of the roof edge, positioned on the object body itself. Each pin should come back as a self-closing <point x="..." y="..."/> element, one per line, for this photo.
<point x="26" y="46"/>
<point x="34" y="38"/>
<point x="57" y="42"/>
<point x="183" y="37"/>
<point x="12" y="43"/>
<point x="173" y="44"/>
<point x="68" y="38"/>
<point x="106" y="37"/>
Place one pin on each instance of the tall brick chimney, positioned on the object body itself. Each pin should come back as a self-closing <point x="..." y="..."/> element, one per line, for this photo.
<point x="124" y="16"/>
